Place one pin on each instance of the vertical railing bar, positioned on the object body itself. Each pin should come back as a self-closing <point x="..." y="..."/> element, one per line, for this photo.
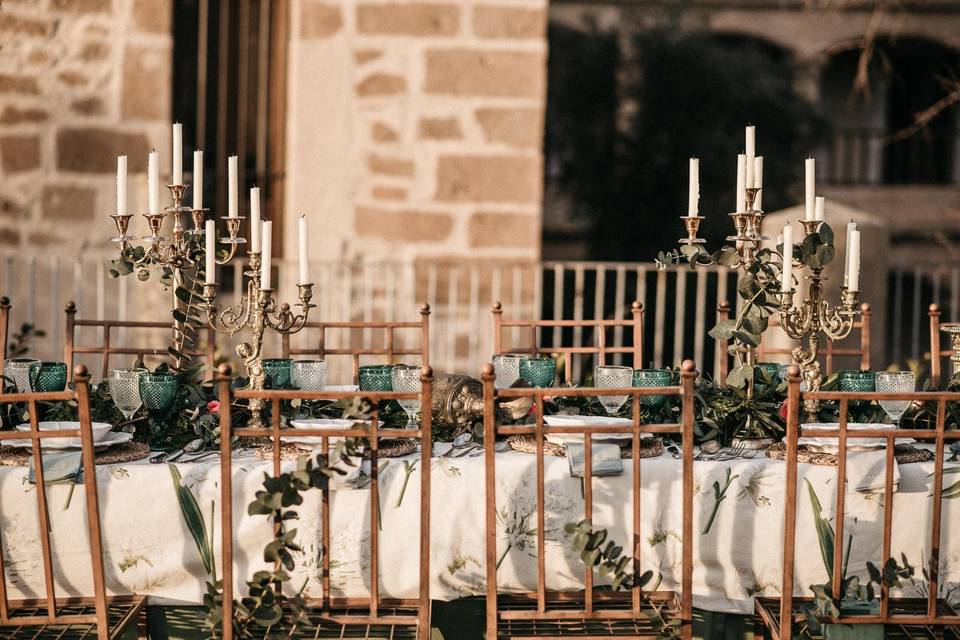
<point x="700" y="310"/>
<point x="619" y="304"/>
<point x="915" y="316"/>
<point x="574" y="364"/>
<point x="679" y="315"/>
<point x="660" y="318"/>
<point x="558" y="273"/>
<point x="55" y="335"/>
<point x="453" y="324"/>
<point x="518" y="299"/>
<point x="473" y="356"/>
<point x="599" y="308"/>
<point x="641" y="292"/>
<point x="938" y="457"/>
<point x="537" y="295"/>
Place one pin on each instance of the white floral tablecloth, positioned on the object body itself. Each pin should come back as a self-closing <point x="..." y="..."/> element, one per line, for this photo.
<point x="149" y="549"/>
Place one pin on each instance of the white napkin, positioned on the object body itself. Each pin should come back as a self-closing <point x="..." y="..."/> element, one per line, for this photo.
<point x="866" y="470"/>
<point x="605" y="461"/>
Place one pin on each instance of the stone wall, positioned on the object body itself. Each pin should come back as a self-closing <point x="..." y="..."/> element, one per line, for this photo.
<point x="81" y="81"/>
<point x="414" y="128"/>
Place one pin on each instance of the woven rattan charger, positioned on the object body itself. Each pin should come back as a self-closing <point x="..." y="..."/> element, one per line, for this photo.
<point x="117" y="454"/>
<point x="904" y="453"/>
<point x="649" y="447"/>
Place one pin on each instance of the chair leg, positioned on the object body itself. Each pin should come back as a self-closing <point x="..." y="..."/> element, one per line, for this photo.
<point x="143" y="631"/>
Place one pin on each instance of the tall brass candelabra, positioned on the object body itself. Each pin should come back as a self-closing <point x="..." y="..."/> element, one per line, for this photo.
<point x="810" y="318"/>
<point x="257" y="310"/>
<point x="180" y="253"/>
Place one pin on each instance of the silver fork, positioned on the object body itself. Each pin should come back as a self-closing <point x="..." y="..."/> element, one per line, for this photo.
<point x="210" y="454"/>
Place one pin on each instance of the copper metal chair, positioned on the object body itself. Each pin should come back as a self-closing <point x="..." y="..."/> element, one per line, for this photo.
<point x="4" y="329"/>
<point x="929" y="617"/>
<point x="103" y="617"/>
<point x="829" y="352"/>
<point x="106" y="349"/>
<point x="336" y="617"/>
<point x="598" y="329"/>
<point x="937" y="352"/>
<point x="387" y="346"/>
<point x="594" y="612"/>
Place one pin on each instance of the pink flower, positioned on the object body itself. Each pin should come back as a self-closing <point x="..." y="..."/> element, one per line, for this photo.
<point x="783" y="410"/>
<point x="213" y="406"/>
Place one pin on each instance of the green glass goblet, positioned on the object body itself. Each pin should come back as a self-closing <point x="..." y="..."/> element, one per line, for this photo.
<point x="652" y="378"/>
<point x="538" y="372"/>
<point x="50" y="376"/>
<point x="376" y="377"/>
<point x="857" y="382"/>
<point x="277" y="371"/>
<point x="158" y="391"/>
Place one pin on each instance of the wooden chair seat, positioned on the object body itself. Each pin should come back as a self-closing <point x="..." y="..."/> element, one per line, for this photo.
<point x="516" y="616"/>
<point x="123" y="614"/>
<point x="767" y="612"/>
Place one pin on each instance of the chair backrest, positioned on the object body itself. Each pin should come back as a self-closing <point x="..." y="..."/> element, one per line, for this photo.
<point x="373" y="434"/>
<point x="82" y="397"/>
<point x="106" y="348"/>
<point x="595" y="604"/>
<point x="929" y="614"/>
<point x="598" y="330"/>
<point x="356" y="335"/>
<point x="830" y="351"/>
<point x="4" y="330"/>
<point x="937" y="352"/>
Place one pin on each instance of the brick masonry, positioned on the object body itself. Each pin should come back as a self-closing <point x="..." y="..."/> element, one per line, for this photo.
<point x="423" y="139"/>
<point x="80" y="82"/>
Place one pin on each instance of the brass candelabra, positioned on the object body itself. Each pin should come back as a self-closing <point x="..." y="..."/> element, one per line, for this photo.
<point x="178" y="254"/>
<point x="813" y="316"/>
<point x="257" y="310"/>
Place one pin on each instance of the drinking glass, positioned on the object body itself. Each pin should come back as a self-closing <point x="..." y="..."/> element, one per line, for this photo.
<point x="158" y="392"/>
<point x="612" y="377"/>
<point x="309" y="375"/>
<point x="857" y="381"/>
<point x="376" y="377"/>
<point x="22" y="371"/>
<point x="125" y="390"/>
<point x="896" y="382"/>
<point x="652" y="378"/>
<point x="782" y="372"/>
<point x="769" y="371"/>
<point x="407" y="380"/>
<point x="277" y="371"/>
<point x="506" y="366"/>
<point x="52" y="376"/>
<point x="539" y="372"/>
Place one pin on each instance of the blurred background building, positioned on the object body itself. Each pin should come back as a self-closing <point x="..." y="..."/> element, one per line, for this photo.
<point x="463" y="152"/>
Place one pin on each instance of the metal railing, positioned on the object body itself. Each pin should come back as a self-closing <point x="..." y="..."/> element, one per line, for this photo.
<point x="680" y="304"/>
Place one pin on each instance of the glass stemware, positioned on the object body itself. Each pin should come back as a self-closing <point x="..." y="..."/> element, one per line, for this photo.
<point x="506" y="367"/>
<point x="277" y="371"/>
<point x="158" y="392"/>
<point x="896" y="382"/>
<point x="52" y="376"/>
<point x="22" y="371"/>
<point x="376" y="377"/>
<point x="652" y="378"/>
<point x="125" y="390"/>
<point x="539" y="372"/>
<point x="309" y="375"/>
<point x="612" y="377"/>
<point x="857" y="381"/>
<point x="407" y="380"/>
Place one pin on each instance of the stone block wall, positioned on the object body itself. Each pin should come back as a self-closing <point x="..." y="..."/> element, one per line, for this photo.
<point x="414" y="128"/>
<point x="81" y="81"/>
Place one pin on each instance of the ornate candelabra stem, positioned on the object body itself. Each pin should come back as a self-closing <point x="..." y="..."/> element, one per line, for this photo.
<point x="256" y="311"/>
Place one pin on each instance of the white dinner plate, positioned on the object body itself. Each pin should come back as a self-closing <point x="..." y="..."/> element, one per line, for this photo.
<point x="587" y="421"/>
<point x="112" y="438"/>
<point x="342" y="388"/>
<point x="830" y="444"/>
<point x="99" y="429"/>
<point x="320" y="424"/>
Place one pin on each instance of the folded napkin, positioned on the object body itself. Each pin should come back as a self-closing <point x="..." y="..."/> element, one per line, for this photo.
<point x="606" y="459"/>
<point x="59" y="468"/>
<point x="866" y="470"/>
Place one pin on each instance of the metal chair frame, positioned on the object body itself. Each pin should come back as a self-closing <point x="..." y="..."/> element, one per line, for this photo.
<point x="389" y="348"/>
<point x="937" y="353"/>
<point x="901" y="617"/>
<point x="599" y="326"/>
<point x="71" y="349"/>
<point x="829" y="351"/>
<point x="107" y="617"/>
<point x="4" y="331"/>
<point x="374" y="613"/>
<point x="556" y="612"/>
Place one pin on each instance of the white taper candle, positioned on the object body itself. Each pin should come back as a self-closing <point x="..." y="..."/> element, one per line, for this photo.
<point x="851" y="227"/>
<point x="819" y="208"/>
<point x="177" y="153"/>
<point x="786" y="275"/>
<point x="693" y="199"/>
<point x="255" y="219"/>
<point x="758" y="182"/>
<point x="153" y="183"/>
<point x="741" y="183"/>
<point x="751" y="153"/>
<point x="232" y="210"/>
<point x="266" y="237"/>
<point x="304" y="268"/>
<point x="198" y="179"/>
<point x="210" y="235"/>
<point x="122" y="185"/>
<point x="853" y="284"/>
<point x="810" y="190"/>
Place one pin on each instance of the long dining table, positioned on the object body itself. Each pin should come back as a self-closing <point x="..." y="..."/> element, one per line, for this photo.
<point x="738" y="524"/>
